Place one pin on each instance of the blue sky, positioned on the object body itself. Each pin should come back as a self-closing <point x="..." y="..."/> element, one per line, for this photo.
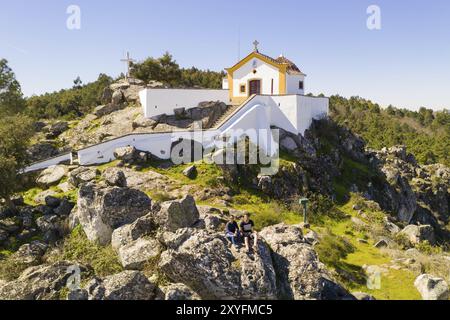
<point x="406" y="63"/>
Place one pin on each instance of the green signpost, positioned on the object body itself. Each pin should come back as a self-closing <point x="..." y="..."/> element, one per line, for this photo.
<point x="304" y="203"/>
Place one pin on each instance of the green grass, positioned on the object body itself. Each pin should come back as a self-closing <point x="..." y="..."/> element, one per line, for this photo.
<point x="77" y="248"/>
<point x="208" y="175"/>
<point x="341" y="251"/>
<point x="352" y="173"/>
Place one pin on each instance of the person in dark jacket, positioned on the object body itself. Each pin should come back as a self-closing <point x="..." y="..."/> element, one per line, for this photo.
<point x="232" y="231"/>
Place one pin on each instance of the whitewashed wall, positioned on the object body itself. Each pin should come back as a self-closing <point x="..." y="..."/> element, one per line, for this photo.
<point x="67" y="157"/>
<point x="158" y="144"/>
<point x="164" y="101"/>
<point x="292" y="84"/>
<point x="225" y="84"/>
<point x="264" y="72"/>
<point x="310" y="108"/>
<point x="293" y="113"/>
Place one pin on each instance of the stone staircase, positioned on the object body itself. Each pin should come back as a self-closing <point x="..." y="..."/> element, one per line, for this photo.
<point x="230" y="111"/>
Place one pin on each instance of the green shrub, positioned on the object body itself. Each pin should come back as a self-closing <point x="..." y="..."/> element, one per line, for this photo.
<point x="332" y="249"/>
<point x="77" y="248"/>
<point x="11" y="268"/>
<point x="426" y="248"/>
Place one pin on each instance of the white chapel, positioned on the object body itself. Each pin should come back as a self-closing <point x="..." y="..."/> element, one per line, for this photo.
<point x="260" y="74"/>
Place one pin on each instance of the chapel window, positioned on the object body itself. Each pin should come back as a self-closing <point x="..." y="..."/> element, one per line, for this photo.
<point x="301" y="85"/>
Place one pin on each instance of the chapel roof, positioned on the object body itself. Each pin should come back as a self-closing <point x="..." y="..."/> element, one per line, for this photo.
<point x="292" y="68"/>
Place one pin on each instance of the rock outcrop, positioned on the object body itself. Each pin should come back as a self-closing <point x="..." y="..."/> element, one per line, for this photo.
<point x="178" y="214"/>
<point x="51" y="176"/>
<point x="127" y="285"/>
<point x="38" y="283"/>
<point x="101" y="210"/>
<point x="205" y="263"/>
<point x="416" y="234"/>
<point x="432" y="288"/>
<point x="301" y="276"/>
<point x="179" y="291"/>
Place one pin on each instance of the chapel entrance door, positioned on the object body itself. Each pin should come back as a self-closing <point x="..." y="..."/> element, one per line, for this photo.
<point x="254" y="87"/>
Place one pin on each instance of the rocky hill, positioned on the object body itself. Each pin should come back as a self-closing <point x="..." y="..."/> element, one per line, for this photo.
<point x="142" y="228"/>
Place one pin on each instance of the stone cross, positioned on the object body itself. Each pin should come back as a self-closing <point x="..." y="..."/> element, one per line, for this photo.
<point x="128" y="61"/>
<point x="256" y="44"/>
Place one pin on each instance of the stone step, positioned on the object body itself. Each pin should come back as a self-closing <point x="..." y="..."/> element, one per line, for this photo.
<point x="231" y="109"/>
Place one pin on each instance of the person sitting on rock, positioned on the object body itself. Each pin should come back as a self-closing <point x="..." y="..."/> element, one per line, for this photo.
<point x="247" y="226"/>
<point x="232" y="231"/>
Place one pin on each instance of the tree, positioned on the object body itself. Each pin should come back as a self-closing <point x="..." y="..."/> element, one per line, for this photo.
<point x="77" y="83"/>
<point x="11" y="97"/>
<point x="15" y="134"/>
<point x="166" y="70"/>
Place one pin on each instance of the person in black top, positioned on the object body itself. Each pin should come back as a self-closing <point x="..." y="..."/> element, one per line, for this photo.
<point x="232" y="231"/>
<point x="247" y="226"/>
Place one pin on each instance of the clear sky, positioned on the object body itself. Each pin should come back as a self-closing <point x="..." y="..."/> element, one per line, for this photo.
<point x="406" y="63"/>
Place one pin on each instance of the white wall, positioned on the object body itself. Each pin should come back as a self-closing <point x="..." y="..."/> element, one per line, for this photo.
<point x="67" y="157"/>
<point x="225" y="84"/>
<point x="292" y="84"/>
<point x="264" y="72"/>
<point x="293" y="113"/>
<point x="310" y="108"/>
<point x="158" y="144"/>
<point x="284" y="112"/>
<point x="164" y="101"/>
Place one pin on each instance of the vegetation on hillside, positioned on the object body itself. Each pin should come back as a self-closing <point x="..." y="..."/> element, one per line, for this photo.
<point x="166" y="70"/>
<point x="15" y="133"/>
<point x="11" y="98"/>
<point x="425" y="133"/>
<point x="68" y="103"/>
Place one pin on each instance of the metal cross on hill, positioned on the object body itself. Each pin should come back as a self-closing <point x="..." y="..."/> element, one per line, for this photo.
<point x="256" y="44"/>
<point x="128" y="61"/>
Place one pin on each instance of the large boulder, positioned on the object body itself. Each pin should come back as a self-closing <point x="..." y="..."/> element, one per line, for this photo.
<point x="115" y="177"/>
<point x="104" y="110"/>
<point x="135" y="255"/>
<point x="416" y="234"/>
<point x="101" y="210"/>
<point x="432" y="288"/>
<point x="38" y="283"/>
<point x="301" y="276"/>
<point x="180" y="292"/>
<point x="178" y="214"/>
<point x="57" y="129"/>
<point x="131" y="232"/>
<point x="127" y="285"/>
<point x="82" y="175"/>
<point x="204" y="262"/>
<point x="30" y="254"/>
<point x="130" y="155"/>
<point x="208" y="112"/>
<point x="51" y="176"/>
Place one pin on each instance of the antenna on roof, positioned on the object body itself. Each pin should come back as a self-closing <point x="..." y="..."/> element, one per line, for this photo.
<point x="239" y="42"/>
